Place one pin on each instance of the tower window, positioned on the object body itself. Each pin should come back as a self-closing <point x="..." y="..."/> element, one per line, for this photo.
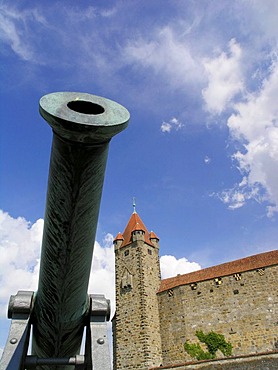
<point x="126" y="252"/>
<point x="150" y="252"/>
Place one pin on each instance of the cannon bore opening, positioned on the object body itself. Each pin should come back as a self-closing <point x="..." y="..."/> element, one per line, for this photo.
<point x="85" y="107"/>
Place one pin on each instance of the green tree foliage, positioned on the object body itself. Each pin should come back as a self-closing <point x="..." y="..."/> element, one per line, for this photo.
<point x="213" y="342"/>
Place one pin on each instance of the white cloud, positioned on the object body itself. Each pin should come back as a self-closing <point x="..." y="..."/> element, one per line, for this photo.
<point x="166" y="127"/>
<point x="207" y="159"/>
<point x="255" y="125"/>
<point x="167" y="54"/>
<point x="237" y="196"/>
<point x="102" y="278"/>
<point x="19" y="256"/>
<point x="173" y="123"/>
<point x="20" y="244"/>
<point x="224" y="78"/>
<point x="16" y="30"/>
<point x="262" y="16"/>
<point x="171" y="266"/>
<point x="10" y="35"/>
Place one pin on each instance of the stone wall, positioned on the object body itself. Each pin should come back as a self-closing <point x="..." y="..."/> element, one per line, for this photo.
<point x="243" y="307"/>
<point x="256" y="362"/>
<point x="136" y="332"/>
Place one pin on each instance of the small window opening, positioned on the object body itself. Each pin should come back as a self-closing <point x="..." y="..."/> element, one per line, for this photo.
<point x="170" y="293"/>
<point x="193" y="286"/>
<point x="218" y="281"/>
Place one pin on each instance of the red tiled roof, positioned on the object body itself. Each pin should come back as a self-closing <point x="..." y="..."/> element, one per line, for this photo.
<point x="119" y="237"/>
<point x="245" y="264"/>
<point x="134" y="223"/>
<point x="153" y="235"/>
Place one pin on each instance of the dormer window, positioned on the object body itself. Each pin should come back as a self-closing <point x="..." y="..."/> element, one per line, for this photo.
<point x="138" y="232"/>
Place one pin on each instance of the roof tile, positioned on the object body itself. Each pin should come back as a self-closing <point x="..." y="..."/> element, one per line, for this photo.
<point x="153" y="235"/>
<point x="119" y="237"/>
<point x="245" y="264"/>
<point x="134" y="223"/>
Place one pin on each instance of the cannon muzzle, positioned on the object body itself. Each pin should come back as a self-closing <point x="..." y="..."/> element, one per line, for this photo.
<point x="83" y="125"/>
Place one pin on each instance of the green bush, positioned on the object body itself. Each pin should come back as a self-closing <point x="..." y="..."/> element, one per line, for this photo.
<point x="213" y="342"/>
<point x="195" y="350"/>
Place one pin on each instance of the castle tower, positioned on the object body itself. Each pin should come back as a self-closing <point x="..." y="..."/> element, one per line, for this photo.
<point x="136" y="329"/>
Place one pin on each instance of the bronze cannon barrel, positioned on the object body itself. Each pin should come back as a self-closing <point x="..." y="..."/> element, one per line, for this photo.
<point x="82" y="124"/>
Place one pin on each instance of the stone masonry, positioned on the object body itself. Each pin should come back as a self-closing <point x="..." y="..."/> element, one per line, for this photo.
<point x="243" y="306"/>
<point x="136" y="333"/>
<point x="155" y="317"/>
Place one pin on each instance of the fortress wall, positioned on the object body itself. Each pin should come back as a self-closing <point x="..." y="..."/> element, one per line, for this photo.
<point x="253" y="362"/>
<point x="244" y="308"/>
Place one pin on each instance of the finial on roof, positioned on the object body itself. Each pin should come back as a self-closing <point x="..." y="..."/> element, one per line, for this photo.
<point x="134" y="205"/>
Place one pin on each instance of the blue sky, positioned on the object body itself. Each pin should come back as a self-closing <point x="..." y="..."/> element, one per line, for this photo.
<point x="200" y="79"/>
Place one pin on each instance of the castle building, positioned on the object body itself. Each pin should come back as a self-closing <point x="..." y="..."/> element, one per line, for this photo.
<point x="155" y="317"/>
<point x="136" y="327"/>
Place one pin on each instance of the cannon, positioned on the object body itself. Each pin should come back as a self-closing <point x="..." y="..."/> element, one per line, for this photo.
<point x="60" y="310"/>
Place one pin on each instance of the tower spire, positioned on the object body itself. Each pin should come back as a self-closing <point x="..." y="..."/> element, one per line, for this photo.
<point x="134" y="205"/>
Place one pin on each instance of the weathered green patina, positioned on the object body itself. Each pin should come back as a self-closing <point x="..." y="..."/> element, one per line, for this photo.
<point x="83" y="125"/>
